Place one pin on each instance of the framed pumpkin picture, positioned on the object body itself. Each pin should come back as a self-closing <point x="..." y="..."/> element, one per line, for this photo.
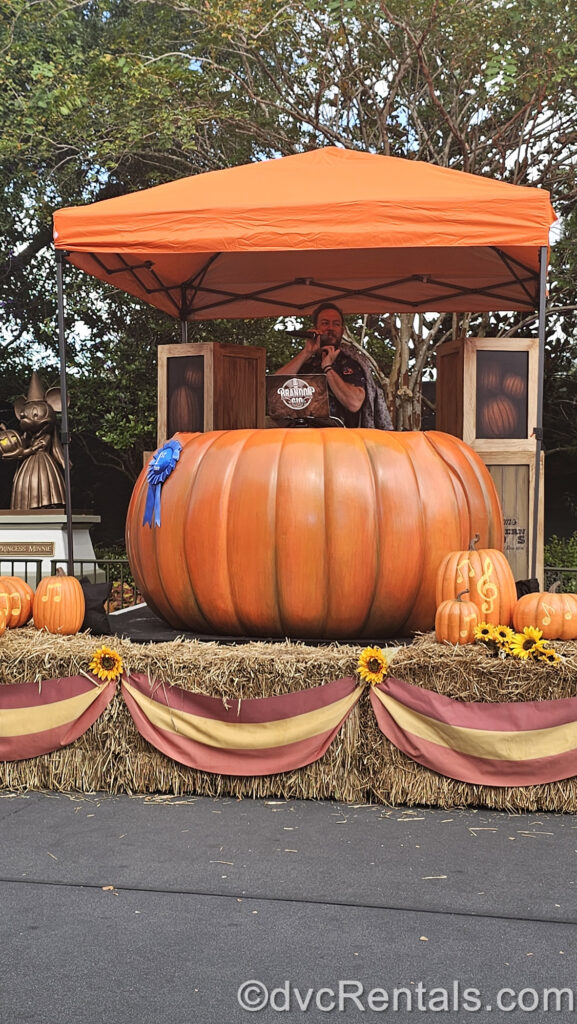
<point x="502" y="394"/>
<point x="487" y="391"/>
<point x="206" y="386"/>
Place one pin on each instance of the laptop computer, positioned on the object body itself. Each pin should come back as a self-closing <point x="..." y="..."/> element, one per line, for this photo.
<point x="297" y="396"/>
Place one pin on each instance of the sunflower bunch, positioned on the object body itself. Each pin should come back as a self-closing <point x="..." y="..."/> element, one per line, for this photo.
<point x="495" y="638"/>
<point x="532" y="644"/>
<point x="504" y="642"/>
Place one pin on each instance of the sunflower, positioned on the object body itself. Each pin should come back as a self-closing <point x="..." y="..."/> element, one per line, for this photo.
<point x="372" y="665"/>
<point x="526" y="644"/>
<point x="483" y="632"/>
<point x="549" y="655"/>
<point x="503" y="635"/>
<point x="106" y="663"/>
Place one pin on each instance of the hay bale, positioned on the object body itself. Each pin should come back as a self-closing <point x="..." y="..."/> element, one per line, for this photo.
<point x="256" y="669"/>
<point x="113" y="757"/>
<point x="360" y="765"/>
<point x="471" y="673"/>
<point x="467" y="673"/>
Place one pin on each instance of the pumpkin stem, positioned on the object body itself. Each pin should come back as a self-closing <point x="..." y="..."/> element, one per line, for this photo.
<point x="474" y="541"/>
<point x="556" y="588"/>
<point x="459" y="596"/>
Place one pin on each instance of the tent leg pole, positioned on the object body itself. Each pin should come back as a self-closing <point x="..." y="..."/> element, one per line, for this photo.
<point x="538" y="429"/>
<point x="65" y="434"/>
<point x="183" y="331"/>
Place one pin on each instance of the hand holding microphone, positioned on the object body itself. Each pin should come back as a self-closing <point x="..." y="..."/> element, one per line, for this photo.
<point x="315" y="341"/>
<point x="311" y="337"/>
<point x="311" y="341"/>
<point x="329" y="352"/>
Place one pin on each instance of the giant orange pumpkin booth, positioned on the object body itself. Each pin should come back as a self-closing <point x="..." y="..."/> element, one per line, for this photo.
<point x="314" y="533"/>
<point x="328" y="533"/>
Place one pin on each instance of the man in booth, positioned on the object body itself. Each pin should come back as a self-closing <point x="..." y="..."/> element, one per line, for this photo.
<point x="322" y="353"/>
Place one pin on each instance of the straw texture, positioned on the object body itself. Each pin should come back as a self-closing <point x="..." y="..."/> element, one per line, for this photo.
<point x="360" y="765"/>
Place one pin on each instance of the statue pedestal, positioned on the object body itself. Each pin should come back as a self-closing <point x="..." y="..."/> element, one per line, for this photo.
<point x="39" y="535"/>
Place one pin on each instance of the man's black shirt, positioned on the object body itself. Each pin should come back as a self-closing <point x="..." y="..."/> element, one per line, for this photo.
<point x="348" y="370"/>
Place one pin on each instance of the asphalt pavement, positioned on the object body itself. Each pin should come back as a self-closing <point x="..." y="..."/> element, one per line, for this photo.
<point x="168" y="910"/>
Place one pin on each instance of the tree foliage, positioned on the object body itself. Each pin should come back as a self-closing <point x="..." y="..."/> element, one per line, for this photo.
<point x="106" y="96"/>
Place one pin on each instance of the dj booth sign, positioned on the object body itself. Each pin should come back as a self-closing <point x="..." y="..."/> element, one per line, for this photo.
<point x="296" y="396"/>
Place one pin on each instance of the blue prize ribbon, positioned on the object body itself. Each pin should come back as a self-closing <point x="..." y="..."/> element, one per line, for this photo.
<point x="160" y="467"/>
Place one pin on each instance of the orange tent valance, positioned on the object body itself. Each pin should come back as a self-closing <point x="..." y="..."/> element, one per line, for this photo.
<point x="375" y="233"/>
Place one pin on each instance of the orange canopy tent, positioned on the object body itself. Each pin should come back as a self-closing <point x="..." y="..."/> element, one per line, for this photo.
<point x="372" y="233"/>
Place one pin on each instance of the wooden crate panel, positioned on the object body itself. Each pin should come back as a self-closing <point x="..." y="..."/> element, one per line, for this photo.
<point x="514" y="477"/>
<point x="449" y="391"/>
<point x="208" y="386"/>
<point x="512" y="483"/>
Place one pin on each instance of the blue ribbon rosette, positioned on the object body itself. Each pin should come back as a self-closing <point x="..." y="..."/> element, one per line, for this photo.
<point x="160" y="467"/>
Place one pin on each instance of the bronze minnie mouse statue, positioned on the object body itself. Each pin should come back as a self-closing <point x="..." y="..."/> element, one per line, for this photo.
<point x="38" y="482"/>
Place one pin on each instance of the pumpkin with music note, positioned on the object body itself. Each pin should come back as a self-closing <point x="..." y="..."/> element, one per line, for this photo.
<point x="487" y="574"/>
<point x="15" y="601"/>
<point x="554" y="614"/>
<point x="455" y="621"/>
<point x="59" y="605"/>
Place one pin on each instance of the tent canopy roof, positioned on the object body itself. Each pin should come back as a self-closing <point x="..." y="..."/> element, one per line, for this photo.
<point x="373" y="233"/>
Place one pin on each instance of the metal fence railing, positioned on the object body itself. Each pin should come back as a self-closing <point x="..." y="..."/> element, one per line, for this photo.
<point x="565" y="575"/>
<point x="29" y="569"/>
<point x="115" y="571"/>
<point x="124" y="593"/>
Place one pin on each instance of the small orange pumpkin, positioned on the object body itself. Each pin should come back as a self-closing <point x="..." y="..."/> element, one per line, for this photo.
<point x="514" y="385"/>
<point x="455" y="621"/>
<point x="186" y="405"/>
<point x="59" y="605"/>
<point x="498" y="417"/>
<point x="554" y="614"/>
<point x="489" y="378"/>
<point x="490" y="580"/>
<point x="2" y="623"/>
<point x="15" y="600"/>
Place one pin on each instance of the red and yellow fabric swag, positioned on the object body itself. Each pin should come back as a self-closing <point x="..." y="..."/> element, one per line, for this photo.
<point x="508" y="744"/>
<point x="520" y="744"/>
<point x="38" y="718"/>
<point x="258" y="736"/>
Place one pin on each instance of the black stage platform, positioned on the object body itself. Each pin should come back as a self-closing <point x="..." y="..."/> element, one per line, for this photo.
<point x="141" y="625"/>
